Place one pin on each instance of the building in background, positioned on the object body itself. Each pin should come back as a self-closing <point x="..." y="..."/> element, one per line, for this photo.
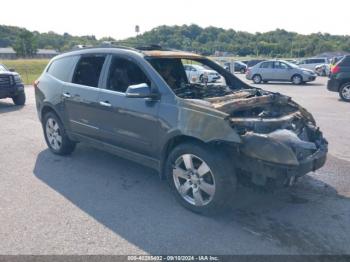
<point x="7" y="53"/>
<point x="46" y="53"/>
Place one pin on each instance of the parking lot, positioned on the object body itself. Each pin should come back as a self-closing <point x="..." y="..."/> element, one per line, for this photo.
<point x="95" y="203"/>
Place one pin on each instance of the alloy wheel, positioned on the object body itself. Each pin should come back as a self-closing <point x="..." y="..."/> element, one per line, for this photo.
<point x="194" y="180"/>
<point x="53" y="134"/>
<point x="297" y="80"/>
<point x="346" y="92"/>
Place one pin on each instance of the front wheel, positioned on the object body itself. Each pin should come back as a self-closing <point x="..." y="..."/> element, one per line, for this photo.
<point x="55" y="135"/>
<point x="297" y="80"/>
<point x="201" y="177"/>
<point x="344" y="92"/>
<point x="19" y="99"/>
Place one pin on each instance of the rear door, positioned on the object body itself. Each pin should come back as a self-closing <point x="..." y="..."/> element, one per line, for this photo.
<point x="127" y="123"/>
<point x="80" y="96"/>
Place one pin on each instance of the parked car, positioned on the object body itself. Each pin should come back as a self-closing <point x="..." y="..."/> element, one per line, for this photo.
<point x="311" y="63"/>
<point x="201" y="137"/>
<point x="251" y="63"/>
<point x="240" y="67"/>
<point x="279" y="70"/>
<point x="323" y="69"/>
<point x="235" y="66"/>
<point x="339" y="80"/>
<point x="11" y="86"/>
<point x="198" y="73"/>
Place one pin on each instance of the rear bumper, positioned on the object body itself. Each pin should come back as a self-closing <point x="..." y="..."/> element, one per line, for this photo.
<point x="333" y="85"/>
<point x="11" y="91"/>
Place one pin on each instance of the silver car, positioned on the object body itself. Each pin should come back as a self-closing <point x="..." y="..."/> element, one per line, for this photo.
<point x="279" y="70"/>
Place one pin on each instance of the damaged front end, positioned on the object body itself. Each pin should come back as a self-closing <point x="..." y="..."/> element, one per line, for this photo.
<point x="280" y="140"/>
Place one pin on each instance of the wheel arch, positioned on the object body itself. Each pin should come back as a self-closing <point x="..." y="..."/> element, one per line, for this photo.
<point x="46" y="108"/>
<point x="171" y="144"/>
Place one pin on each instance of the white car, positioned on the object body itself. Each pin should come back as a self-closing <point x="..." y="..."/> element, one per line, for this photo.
<point x="198" y="73"/>
<point x="311" y="63"/>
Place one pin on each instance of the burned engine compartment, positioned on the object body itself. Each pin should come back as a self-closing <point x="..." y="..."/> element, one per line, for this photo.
<point x="272" y="126"/>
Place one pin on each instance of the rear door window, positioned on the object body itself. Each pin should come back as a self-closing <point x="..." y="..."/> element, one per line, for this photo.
<point x="62" y="68"/>
<point x="88" y="70"/>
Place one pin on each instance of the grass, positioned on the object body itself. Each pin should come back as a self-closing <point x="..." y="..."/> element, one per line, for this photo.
<point x="29" y="69"/>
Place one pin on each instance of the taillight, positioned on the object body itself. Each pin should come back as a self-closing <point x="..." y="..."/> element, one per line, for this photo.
<point x="335" y="69"/>
<point x="36" y="84"/>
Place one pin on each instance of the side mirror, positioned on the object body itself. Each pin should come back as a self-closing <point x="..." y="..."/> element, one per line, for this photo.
<point x="140" y="91"/>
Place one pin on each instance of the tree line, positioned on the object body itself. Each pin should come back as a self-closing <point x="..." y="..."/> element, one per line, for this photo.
<point x="277" y="43"/>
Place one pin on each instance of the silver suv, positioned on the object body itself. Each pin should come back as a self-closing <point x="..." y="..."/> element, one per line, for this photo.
<point x="279" y="70"/>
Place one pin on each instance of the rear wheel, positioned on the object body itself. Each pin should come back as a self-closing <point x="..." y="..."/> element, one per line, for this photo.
<point x="257" y="79"/>
<point x="297" y="80"/>
<point x="55" y="135"/>
<point x="344" y="92"/>
<point x="19" y="99"/>
<point x="200" y="177"/>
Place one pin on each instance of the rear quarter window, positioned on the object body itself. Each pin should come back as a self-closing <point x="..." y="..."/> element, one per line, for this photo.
<point x="62" y="68"/>
<point x="345" y="61"/>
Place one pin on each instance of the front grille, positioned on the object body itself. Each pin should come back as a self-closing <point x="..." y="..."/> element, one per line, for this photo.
<point x="5" y="81"/>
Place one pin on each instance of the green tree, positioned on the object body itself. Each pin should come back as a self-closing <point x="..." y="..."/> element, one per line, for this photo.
<point x="25" y="45"/>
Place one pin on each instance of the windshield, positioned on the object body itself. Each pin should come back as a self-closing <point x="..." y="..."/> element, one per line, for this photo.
<point x="187" y="83"/>
<point x="3" y="68"/>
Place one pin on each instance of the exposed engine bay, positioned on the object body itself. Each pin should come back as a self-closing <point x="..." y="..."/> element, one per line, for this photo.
<point x="272" y="126"/>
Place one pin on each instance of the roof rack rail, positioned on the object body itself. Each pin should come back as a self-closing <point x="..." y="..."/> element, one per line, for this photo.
<point x="139" y="47"/>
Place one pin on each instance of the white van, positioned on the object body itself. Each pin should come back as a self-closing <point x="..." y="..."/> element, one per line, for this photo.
<point x="311" y="63"/>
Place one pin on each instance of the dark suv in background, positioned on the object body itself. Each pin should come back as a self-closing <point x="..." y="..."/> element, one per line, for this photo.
<point x="11" y="86"/>
<point x="339" y="80"/>
<point x="203" y="137"/>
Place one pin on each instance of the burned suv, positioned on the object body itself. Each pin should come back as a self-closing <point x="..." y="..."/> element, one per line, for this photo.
<point x="204" y="138"/>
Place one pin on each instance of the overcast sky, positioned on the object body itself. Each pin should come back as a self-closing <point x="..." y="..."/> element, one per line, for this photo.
<point x="118" y="18"/>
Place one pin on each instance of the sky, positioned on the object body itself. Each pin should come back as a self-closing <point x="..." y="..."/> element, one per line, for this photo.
<point x="118" y="18"/>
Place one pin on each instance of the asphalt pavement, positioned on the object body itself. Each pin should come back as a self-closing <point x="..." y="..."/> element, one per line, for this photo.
<point x="93" y="202"/>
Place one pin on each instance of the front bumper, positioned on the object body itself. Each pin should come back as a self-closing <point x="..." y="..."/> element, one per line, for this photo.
<point x="11" y="91"/>
<point x="277" y="161"/>
<point x="309" y="78"/>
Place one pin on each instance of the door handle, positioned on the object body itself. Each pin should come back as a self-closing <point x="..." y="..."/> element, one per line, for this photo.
<point x="106" y="104"/>
<point x="67" y="95"/>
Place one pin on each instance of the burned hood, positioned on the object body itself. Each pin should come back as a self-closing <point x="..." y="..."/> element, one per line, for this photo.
<point x="252" y="107"/>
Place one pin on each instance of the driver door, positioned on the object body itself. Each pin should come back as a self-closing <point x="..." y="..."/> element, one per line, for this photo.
<point x="127" y="123"/>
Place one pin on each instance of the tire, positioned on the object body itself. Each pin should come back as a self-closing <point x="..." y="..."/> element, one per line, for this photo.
<point x="257" y="79"/>
<point x="201" y="80"/>
<point x="209" y="185"/>
<point x="344" y="92"/>
<point x="297" y="79"/>
<point x="19" y="99"/>
<point x="55" y="135"/>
